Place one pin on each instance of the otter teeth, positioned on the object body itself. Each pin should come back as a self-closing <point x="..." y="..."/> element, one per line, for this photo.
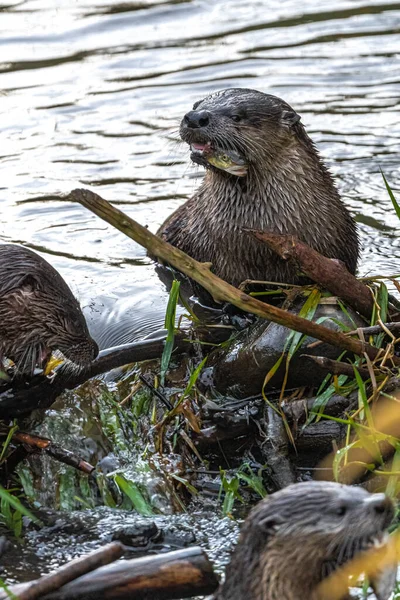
<point x="376" y="541"/>
<point x="200" y="148"/>
<point x="379" y="540"/>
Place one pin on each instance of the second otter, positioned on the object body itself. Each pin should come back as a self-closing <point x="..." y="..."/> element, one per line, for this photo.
<point x="285" y="188"/>
<point x="38" y="313"/>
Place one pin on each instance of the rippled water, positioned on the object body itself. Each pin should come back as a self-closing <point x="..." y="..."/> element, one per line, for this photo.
<point x="93" y="94"/>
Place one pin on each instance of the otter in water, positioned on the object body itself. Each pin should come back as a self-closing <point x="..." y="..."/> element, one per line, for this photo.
<point x="271" y="178"/>
<point x="38" y="313"/>
<point x="296" y="537"/>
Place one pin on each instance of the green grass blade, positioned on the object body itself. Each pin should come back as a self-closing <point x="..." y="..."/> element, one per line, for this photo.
<point x="8" y="440"/>
<point x="383" y="301"/>
<point x="391" y="195"/>
<point x="169" y="325"/>
<point x="321" y="400"/>
<point x="307" y="312"/>
<point x="18" y="506"/>
<point x="7" y="590"/>
<point x="130" y="489"/>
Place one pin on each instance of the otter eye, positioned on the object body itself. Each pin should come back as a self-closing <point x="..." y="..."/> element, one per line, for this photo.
<point x="224" y="157"/>
<point x="236" y="118"/>
<point x="341" y="511"/>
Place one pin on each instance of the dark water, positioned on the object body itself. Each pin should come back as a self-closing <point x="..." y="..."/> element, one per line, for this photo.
<point x="93" y="94"/>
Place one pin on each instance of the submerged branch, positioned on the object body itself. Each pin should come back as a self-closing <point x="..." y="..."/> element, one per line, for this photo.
<point x="219" y="289"/>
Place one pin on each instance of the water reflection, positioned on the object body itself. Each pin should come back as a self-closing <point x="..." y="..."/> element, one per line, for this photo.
<point x="94" y="91"/>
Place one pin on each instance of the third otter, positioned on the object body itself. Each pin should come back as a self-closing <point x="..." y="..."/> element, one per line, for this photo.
<point x="283" y="186"/>
<point x="293" y="539"/>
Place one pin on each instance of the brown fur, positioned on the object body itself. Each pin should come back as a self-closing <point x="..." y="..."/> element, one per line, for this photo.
<point x="287" y="190"/>
<point x="296" y="537"/>
<point x="38" y="312"/>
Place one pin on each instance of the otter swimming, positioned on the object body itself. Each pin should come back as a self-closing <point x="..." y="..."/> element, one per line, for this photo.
<point x="284" y="188"/>
<point x="296" y="537"/>
<point x="38" y="313"/>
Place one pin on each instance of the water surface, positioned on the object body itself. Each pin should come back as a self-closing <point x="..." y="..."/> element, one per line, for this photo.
<point x="93" y="92"/>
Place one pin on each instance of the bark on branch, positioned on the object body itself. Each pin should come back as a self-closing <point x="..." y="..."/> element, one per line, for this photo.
<point x="181" y="574"/>
<point x="61" y="454"/>
<point x="219" y="289"/>
<point x="330" y="274"/>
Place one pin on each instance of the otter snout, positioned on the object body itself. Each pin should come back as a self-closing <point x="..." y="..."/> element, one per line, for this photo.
<point x="381" y="507"/>
<point x="82" y="353"/>
<point x="196" y="119"/>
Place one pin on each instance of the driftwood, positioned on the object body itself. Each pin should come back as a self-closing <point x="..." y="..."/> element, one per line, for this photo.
<point x="61" y="454"/>
<point x="331" y="274"/>
<point x="219" y="289"/>
<point x="181" y="574"/>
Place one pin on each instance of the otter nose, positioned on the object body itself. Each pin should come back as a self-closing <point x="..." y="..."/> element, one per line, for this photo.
<point x="197" y="118"/>
<point x="380" y="504"/>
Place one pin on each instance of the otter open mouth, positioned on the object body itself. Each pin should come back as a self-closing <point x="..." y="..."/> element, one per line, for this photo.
<point x="382" y="581"/>
<point x="229" y="161"/>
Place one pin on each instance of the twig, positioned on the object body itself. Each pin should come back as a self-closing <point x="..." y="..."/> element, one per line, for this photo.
<point x="337" y="367"/>
<point x="65" y="456"/>
<point x="371" y="330"/>
<point x="156" y="392"/>
<point x="218" y="288"/>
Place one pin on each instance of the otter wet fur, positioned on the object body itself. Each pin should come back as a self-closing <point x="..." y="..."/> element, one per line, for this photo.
<point x="38" y="313"/>
<point x="295" y="538"/>
<point x="285" y="189"/>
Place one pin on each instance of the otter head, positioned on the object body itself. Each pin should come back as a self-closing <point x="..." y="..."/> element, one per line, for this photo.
<point x="66" y="329"/>
<point x="242" y="125"/>
<point x="39" y="313"/>
<point x="296" y="537"/>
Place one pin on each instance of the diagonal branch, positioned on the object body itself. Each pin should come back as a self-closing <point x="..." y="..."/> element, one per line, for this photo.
<point x="219" y="289"/>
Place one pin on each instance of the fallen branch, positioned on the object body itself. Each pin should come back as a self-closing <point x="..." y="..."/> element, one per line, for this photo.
<point x="42" y="391"/>
<point x="330" y="274"/>
<point x="181" y="574"/>
<point x="61" y="454"/>
<point x="74" y="569"/>
<point x="219" y="289"/>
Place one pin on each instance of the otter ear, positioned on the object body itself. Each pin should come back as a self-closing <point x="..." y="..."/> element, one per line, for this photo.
<point x="290" y="117"/>
<point x="271" y="524"/>
<point x="20" y="284"/>
<point x="29" y="282"/>
<point x="21" y="294"/>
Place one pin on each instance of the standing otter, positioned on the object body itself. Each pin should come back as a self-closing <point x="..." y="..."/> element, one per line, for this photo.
<point x="296" y="537"/>
<point x="38" y="313"/>
<point x="284" y="188"/>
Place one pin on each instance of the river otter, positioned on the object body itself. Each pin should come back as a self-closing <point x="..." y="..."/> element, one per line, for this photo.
<point x="284" y="188"/>
<point x="296" y="537"/>
<point x="38" y="313"/>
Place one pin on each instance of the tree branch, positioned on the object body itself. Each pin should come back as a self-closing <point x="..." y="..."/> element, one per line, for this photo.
<point x="218" y="288"/>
